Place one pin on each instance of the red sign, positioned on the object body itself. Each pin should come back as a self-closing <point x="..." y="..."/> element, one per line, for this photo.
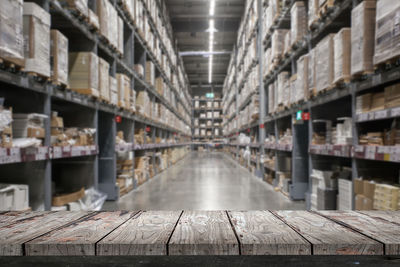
<point x="248" y="130"/>
<point x="118" y="119"/>
<point x="147" y="129"/>
<point x="262" y="126"/>
<point x="306" y="116"/>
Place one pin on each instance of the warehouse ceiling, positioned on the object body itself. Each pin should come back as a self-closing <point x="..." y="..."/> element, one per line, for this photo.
<point x="191" y="22"/>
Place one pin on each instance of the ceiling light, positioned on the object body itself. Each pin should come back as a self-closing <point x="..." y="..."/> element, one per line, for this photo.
<point x="212" y="7"/>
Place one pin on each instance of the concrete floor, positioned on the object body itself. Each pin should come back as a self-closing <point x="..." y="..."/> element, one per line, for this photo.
<point x="205" y="181"/>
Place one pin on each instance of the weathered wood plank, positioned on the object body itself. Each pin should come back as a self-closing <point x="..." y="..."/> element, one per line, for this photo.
<point x="328" y="237"/>
<point x="79" y="238"/>
<point x="261" y="233"/>
<point x="203" y="233"/>
<point x="10" y="217"/>
<point x="147" y="234"/>
<point x="390" y="216"/>
<point x="383" y="231"/>
<point x="13" y="236"/>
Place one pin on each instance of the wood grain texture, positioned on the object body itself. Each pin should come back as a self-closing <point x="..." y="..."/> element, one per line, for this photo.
<point x="328" y="237"/>
<point x="10" y="217"/>
<point x="261" y="233"/>
<point x="79" y="238"/>
<point x="203" y="233"/>
<point x="147" y="234"/>
<point x="381" y="230"/>
<point x="13" y="236"/>
<point x="390" y="216"/>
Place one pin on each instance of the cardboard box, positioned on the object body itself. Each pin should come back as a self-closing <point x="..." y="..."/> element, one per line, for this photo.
<point x="378" y="101"/>
<point x="83" y="74"/>
<point x="80" y="6"/>
<point x="298" y="22"/>
<point x="342" y="61"/>
<point x="302" y="91"/>
<point x="277" y="43"/>
<point x="392" y="96"/>
<point x="104" y="80"/>
<point x="311" y="71"/>
<point x="6" y="137"/>
<point x="120" y="30"/>
<point x="358" y="186"/>
<point x="368" y="204"/>
<point x="103" y="14"/>
<point x="150" y="72"/>
<point x="36" y="133"/>
<point x="362" y="37"/>
<point x="59" y="57"/>
<point x="363" y="103"/>
<point x="387" y="38"/>
<point x="37" y="39"/>
<point x="93" y="20"/>
<point x="11" y="28"/>
<point x="124" y="92"/>
<point x="359" y="202"/>
<point x="369" y="189"/>
<point x="325" y="63"/>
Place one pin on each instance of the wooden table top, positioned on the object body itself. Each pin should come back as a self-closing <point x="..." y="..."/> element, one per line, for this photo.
<point x="127" y="233"/>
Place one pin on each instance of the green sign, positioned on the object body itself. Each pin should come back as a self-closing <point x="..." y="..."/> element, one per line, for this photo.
<point x="210" y="95"/>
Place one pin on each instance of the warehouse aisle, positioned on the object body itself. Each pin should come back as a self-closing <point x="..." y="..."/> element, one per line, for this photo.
<point x="204" y="181"/>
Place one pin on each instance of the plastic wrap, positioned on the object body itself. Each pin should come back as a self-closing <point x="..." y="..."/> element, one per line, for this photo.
<point x="276" y="6"/>
<point x="36" y="39"/>
<point x="268" y="61"/>
<point x="112" y="25"/>
<point x="113" y="91"/>
<point x="277" y="43"/>
<point x="104" y="80"/>
<point x="79" y="5"/>
<point x="286" y="92"/>
<point x="287" y="44"/>
<point x="293" y="86"/>
<point x="302" y="88"/>
<point x="130" y="7"/>
<point x="283" y="78"/>
<point x="324" y="63"/>
<point x="362" y="37"/>
<point x="93" y="200"/>
<point x="103" y="14"/>
<point x="150" y="72"/>
<point x="342" y="55"/>
<point x="142" y="102"/>
<point x="311" y="71"/>
<point x="268" y="18"/>
<point x="120" y="46"/>
<point x="387" y="34"/>
<point x="93" y="19"/>
<point x="83" y="74"/>
<point x="11" y="29"/>
<point x="59" y="57"/>
<point x="298" y="22"/>
<point x="312" y="11"/>
<point x="5" y="118"/>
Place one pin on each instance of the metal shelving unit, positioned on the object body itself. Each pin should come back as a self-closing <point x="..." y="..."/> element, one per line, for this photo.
<point x="94" y="165"/>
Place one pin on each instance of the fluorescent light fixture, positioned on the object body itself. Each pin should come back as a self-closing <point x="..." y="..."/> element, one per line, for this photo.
<point x="211" y="29"/>
<point x="212" y="7"/>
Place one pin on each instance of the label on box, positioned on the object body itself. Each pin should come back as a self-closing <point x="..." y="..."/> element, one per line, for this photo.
<point x="370" y="152"/>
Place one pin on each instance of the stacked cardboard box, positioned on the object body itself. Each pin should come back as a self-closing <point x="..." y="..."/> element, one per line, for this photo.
<point x="113" y="91"/>
<point x="312" y="71"/>
<point x="11" y="28"/>
<point x="387" y="38"/>
<point x="345" y="196"/>
<point x="104" y="80"/>
<point x="93" y="20"/>
<point x="79" y="6"/>
<point x="324" y="63"/>
<point x="150" y="72"/>
<point x="365" y="192"/>
<point x="392" y="96"/>
<point x="59" y="57"/>
<point x="386" y="197"/>
<point x="362" y="37"/>
<point x="277" y="44"/>
<point x="312" y="12"/>
<point x="29" y="125"/>
<point x="342" y="61"/>
<point x="124" y="92"/>
<point x="302" y="91"/>
<point x="142" y="169"/>
<point x="298" y="22"/>
<point x="83" y="74"/>
<point x="5" y="127"/>
<point x="37" y="39"/>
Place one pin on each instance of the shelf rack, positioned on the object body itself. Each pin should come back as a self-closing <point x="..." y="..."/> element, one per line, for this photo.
<point x="94" y="165"/>
<point x="305" y="155"/>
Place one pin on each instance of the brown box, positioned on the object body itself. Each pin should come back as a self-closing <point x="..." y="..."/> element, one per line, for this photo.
<point x="342" y="55"/>
<point x="298" y="22"/>
<point x="368" y="204"/>
<point x="37" y="39"/>
<point x="392" y="96"/>
<point x="150" y="72"/>
<point x="359" y="202"/>
<point x="358" y="186"/>
<point x="104" y="80"/>
<point x="59" y="57"/>
<point x="378" y="101"/>
<point x="11" y="37"/>
<point x="369" y="189"/>
<point x="6" y="137"/>
<point x="363" y="103"/>
<point x="387" y="38"/>
<point x="302" y="92"/>
<point x="324" y="63"/>
<point x="57" y="122"/>
<point x="36" y="133"/>
<point x="83" y="74"/>
<point x="362" y="37"/>
<point x="103" y="14"/>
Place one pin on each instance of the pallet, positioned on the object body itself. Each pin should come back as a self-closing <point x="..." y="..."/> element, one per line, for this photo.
<point x="89" y="92"/>
<point x="388" y="64"/>
<point x="60" y="84"/>
<point x="64" y="199"/>
<point x="14" y="64"/>
<point x="321" y="92"/>
<point x="39" y="77"/>
<point x="342" y="82"/>
<point x="326" y="8"/>
<point x="362" y="75"/>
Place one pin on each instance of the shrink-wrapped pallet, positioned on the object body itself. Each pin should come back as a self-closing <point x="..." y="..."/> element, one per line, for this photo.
<point x="293" y="86"/>
<point x="11" y="29"/>
<point x="324" y="63"/>
<point x="79" y="6"/>
<point x="142" y="102"/>
<point x="83" y="76"/>
<point x="362" y="38"/>
<point x="302" y="88"/>
<point x="129" y="6"/>
<point x="103" y="13"/>
<point x="37" y="39"/>
<point x="387" y="34"/>
<point x="342" y="55"/>
<point x="268" y="62"/>
<point x="112" y="25"/>
<point x="298" y="22"/>
<point x="288" y="43"/>
<point x="120" y="46"/>
<point x="59" y="57"/>
<point x="276" y="6"/>
<point x="93" y="20"/>
<point x="124" y="89"/>
<point x="104" y="82"/>
<point x="283" y="78"/>
<point x="312" y="12"/>
<point x="286" y="92"/>
<point x="311" y="72"/>
<point x="268" y="19"/>
<point x="150" y="72"/>
<point x="113" y="91"/>
<point x="277" y="43"/>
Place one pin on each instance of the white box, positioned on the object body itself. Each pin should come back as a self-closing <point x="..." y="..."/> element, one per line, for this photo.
<point x="14" y="197"/>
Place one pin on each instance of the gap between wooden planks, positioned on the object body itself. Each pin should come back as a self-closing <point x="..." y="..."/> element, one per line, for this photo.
<point x="126" y="233"/>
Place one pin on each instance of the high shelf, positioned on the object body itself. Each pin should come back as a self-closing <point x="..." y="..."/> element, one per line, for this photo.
<point x="48" y="168"/>
<point x="207" y="119"/>
<point x="300" y="132"/>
